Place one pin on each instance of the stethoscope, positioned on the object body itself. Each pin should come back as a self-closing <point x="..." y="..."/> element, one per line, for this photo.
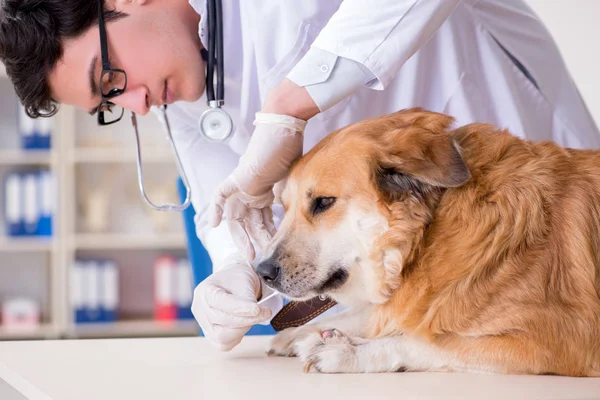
<point x="215" y="124"/>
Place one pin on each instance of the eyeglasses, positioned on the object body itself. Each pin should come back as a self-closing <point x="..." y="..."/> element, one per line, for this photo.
<point x="113" y="82"/>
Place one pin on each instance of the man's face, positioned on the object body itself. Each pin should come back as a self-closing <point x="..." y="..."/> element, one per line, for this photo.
<point x="157" y="45"/>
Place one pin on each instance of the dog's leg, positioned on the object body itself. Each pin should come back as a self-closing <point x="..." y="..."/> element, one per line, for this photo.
<point x="334" y="352"/>
<point x="351" y="321"/>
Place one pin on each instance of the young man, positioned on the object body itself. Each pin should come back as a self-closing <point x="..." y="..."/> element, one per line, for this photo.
<point x="294" y="72"/>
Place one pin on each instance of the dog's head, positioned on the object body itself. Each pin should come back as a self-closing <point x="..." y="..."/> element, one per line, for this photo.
<point x="357" y="205"/>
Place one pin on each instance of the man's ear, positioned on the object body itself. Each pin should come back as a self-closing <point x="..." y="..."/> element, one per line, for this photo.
<point x="416" y="160"/>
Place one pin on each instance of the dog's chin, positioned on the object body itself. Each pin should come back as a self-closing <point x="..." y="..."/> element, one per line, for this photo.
<point x="336" y="279"/>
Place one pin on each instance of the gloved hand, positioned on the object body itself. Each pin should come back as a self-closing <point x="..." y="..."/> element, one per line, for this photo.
<point x="225" y="304"/>
<point x="248" y="191"/>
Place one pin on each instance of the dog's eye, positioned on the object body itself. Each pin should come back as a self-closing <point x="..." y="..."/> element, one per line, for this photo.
<point x="321" y="204"/>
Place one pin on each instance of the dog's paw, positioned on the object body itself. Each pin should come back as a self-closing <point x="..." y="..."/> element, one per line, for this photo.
<point x="283" y="344"/>
<point x="329" y="352"/>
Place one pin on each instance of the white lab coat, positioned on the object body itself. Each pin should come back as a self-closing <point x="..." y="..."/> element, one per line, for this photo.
<point x="477" y="60"/>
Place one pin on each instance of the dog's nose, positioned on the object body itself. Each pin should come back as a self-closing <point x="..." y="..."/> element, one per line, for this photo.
<point x="268" y="270"/>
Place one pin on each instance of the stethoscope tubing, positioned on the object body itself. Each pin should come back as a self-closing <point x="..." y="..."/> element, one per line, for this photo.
<point x="168" y="206"/>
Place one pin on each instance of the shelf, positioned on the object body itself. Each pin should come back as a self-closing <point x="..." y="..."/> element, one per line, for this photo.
<point x="121" y="155"/>
<point x="25" y="244"/>
<point x="25" y="157"/>
<point x="129" y="241"/>
<point x="44" y="331"/>
<point x="135" y="328"/>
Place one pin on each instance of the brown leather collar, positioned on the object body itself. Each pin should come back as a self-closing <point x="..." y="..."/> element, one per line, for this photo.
<point x="298" y="313"/>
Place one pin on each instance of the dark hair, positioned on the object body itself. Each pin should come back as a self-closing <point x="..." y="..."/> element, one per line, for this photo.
<point x="32" y="33"/>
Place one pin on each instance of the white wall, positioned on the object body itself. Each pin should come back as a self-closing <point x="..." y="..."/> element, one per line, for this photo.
<point x="575" y="26"/>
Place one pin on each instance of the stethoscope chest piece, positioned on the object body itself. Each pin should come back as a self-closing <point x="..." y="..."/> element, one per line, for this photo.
<point x="216" y="124"/>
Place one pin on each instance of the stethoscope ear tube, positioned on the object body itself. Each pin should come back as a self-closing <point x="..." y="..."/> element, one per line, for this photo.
<point x="215" y="58"/>
<point x="168" y="206"/>
<point x="219" y="53"/>
<point x="210" y="63"/>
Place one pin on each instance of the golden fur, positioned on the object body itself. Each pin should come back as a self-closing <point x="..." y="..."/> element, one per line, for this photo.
<point x="489" y="249"/>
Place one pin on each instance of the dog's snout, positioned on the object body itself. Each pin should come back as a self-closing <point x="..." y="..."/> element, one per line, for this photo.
<point x="268" y="270"/>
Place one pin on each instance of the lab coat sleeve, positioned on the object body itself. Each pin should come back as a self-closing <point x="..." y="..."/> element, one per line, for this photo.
<point x="378" y="35"/>
<point x="329" y="78"/>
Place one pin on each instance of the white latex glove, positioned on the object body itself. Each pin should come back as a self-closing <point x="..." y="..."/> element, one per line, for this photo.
<point x="277" y="141"/>
<point x="225" y="304"/>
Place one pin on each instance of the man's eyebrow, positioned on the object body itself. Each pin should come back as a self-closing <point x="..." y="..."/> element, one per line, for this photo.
<point x="92" y="79"/>
<point x="92" y="75"/>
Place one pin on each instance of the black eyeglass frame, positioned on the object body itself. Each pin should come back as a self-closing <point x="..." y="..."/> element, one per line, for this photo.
<point x="107" y="69"/>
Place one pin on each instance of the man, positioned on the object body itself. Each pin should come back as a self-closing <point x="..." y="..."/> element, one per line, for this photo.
<point x="294" y="72"/>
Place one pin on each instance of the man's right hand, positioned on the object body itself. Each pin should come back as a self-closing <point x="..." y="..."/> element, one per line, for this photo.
<point x="225" y="304"/>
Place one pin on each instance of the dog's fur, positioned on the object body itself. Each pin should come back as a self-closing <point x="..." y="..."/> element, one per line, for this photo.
<point x="462" y="249"/>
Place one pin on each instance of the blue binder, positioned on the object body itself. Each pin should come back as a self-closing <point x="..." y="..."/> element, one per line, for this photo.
<point x="43" y="133"/>
<point x="31" y="205"/>
<point x="109" y="290"/>
<point x="46" y="197"/>
<point x="13" y="205"/>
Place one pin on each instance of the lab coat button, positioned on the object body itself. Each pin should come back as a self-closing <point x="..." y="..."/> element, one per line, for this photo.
<point x="324" y="68"/>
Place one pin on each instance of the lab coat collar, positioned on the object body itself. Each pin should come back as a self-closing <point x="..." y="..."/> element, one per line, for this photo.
<point x="200" y="7"/>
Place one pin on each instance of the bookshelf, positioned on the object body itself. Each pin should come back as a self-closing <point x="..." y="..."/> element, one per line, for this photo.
<point x="22" y="157"/>
<point x="127" y="241"/>
<point x="135" y="328"/>
<point x="26" y="245"/>
<point x="95" y="174"/>
<point x="44" y="331"/>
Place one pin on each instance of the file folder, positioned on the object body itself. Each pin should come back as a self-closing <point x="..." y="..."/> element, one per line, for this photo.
<point x="45" y="127"/>
<point x="165" y="308"/>
<point x="109" y="290"/>
<point x="27" y="129"/>
<point x="46" y="197"/>
<point x="91" y="291"/>
<point x="184" y="289"/>
<point x="31" y="210"/>
<point x="77" y="292"/>
<point x="13" y="210"/>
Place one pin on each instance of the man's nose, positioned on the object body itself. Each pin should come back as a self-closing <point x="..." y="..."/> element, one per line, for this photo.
<point x="268" y="270"/>
<point x="134" y="99"/>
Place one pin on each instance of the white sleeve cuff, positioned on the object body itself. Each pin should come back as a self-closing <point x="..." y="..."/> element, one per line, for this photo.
<point x="329" y="78"/>
<point x="217" y="242"/>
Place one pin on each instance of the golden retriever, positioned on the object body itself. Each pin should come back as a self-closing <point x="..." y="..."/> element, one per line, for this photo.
<point x="463" y="249"/>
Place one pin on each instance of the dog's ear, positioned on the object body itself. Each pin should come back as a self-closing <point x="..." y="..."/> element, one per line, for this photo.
<point x="278" y="189"/>
<point x="419" y="157"/>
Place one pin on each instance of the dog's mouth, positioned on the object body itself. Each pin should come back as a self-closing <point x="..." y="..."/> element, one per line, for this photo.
<point x="335" y="281"/>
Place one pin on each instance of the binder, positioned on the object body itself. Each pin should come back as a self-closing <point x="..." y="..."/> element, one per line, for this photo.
<point x="109" y="290"/>
<point x="27" y="129"/>
<point x="31" y="212"/>
<point x="77" y="292"/>
<point x="45" y="127"/>
<point x="184" y="289"/>
<point x="13" y="210"/>
<point x="46" y="197"/>
<point x="91" y="292"/>
<point x="165" y="308"/>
